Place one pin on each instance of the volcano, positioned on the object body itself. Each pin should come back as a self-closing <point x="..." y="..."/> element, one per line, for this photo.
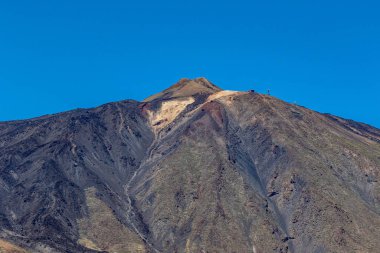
<point x="191" y="169"/>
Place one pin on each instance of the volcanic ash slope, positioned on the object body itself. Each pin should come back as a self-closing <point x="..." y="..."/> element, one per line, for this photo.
<point x="190" y="169"/>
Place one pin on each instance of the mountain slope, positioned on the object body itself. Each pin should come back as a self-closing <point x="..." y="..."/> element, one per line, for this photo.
<point x="191" y="169"/>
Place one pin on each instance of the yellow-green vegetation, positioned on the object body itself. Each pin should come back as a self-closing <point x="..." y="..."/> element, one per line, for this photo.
<point x="102" y="231"/>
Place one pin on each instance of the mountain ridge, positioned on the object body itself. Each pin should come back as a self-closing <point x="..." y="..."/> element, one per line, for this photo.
<point x="191" y="170"/>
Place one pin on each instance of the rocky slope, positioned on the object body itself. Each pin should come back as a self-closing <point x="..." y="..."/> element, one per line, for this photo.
<point x="191" y="169"/>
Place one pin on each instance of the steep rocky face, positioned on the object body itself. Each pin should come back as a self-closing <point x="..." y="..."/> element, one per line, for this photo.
<point x="191" y="169"/>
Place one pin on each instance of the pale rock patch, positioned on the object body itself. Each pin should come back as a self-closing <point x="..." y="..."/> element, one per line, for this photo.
<point x="225" y="96"/>
<point x="168" y="112"/>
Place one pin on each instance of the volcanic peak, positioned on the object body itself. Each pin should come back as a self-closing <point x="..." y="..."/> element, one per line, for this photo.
<point x="185" y="88"/>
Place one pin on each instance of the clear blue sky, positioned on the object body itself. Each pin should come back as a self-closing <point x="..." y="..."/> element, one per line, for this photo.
<point x="61" y="55"/>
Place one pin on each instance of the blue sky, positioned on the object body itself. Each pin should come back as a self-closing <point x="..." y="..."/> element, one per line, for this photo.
<point x="62" y="55"/>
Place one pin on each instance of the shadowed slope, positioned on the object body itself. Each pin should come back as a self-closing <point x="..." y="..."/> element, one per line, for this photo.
<point x="47" y="164"/>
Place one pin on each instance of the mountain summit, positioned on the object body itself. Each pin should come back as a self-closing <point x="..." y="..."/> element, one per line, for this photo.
<point x="186" y="87"/>
<point x="190" y="169"/>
